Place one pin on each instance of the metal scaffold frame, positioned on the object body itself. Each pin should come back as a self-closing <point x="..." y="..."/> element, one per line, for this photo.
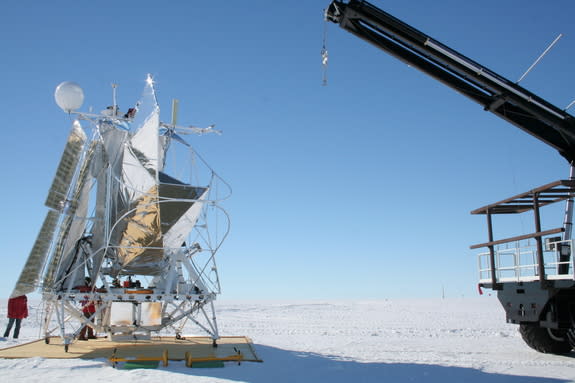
<point x="128" y="249"/>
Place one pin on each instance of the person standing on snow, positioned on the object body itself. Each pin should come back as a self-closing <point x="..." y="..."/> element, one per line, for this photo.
<point x="17" y="310"/>
<point x="88" y="309"/>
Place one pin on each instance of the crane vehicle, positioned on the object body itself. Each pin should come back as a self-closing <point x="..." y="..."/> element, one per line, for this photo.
<point x="531" y="273"/>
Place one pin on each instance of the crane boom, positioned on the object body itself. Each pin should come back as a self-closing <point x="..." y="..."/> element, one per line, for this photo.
<point x="494" y="92"/>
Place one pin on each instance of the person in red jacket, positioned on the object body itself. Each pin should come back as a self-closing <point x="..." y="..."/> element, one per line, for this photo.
<point x="17" y="310"/>
<point x="88" y="309"/>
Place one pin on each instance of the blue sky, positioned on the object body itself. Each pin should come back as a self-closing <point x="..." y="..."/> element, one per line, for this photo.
<point x="359" y="189"/>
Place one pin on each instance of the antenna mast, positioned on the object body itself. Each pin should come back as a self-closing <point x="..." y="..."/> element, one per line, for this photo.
<point x="540" y="57"/>
<point x="114" y="101"/>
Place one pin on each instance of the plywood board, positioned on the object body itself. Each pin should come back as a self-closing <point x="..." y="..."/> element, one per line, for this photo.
<point x="197" y="347"/>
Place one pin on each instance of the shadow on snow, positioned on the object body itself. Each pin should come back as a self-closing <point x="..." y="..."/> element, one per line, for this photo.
<point x="283" y="366"/>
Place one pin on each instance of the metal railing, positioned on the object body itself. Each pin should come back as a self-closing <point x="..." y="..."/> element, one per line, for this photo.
<point x="517" y="262"/>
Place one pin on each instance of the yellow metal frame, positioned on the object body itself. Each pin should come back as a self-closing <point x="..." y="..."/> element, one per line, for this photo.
<point x="164" y="358"/>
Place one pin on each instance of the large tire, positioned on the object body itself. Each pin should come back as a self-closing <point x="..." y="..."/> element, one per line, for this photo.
<point x="538" y="338"/>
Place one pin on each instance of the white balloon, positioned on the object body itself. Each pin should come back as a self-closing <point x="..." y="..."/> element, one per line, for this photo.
<point x="69" y="96"/>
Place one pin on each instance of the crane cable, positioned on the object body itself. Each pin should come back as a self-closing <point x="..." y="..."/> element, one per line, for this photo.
<point x="324" y="56"/>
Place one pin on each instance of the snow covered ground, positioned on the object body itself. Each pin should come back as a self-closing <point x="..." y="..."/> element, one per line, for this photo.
<point x="433" y="340"/>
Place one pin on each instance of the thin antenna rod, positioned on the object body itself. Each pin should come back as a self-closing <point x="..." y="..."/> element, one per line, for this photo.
<point x="175" y="108"/>
<point x="115" y="104"/>
<point x="540" y="57"/>
<point x="570" y="105"/>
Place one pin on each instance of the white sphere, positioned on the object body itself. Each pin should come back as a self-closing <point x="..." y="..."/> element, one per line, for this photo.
<point x="69" y="96"/>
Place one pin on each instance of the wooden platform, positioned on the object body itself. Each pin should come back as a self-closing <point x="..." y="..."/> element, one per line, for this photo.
<point x="197" y="347"/>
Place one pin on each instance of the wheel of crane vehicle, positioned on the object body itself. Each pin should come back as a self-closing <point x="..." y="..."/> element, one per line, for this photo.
<point x="545" y="340"/>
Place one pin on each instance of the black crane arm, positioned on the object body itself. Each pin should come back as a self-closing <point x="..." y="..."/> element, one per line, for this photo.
<point x="495" y="93"/>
